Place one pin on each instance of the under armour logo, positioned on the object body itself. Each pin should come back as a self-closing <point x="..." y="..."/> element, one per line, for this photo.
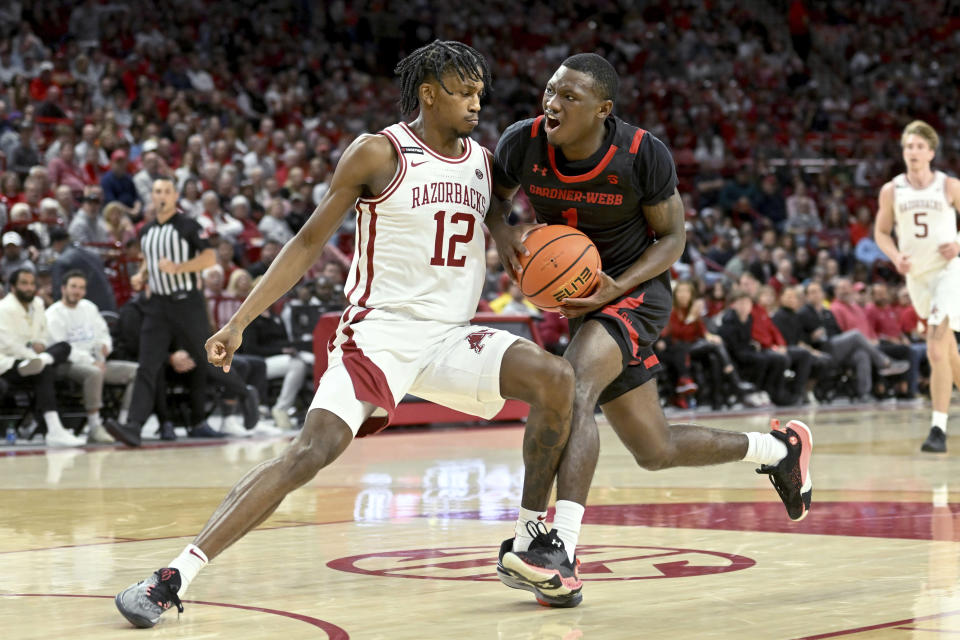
<point x="793" y="440"/>
<point x="538" y="169"/>
<point x="556" y="542"/>
<point x="612" y="178"/>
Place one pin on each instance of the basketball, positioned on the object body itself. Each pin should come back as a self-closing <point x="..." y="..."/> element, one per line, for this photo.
<point x="563" y="263"/>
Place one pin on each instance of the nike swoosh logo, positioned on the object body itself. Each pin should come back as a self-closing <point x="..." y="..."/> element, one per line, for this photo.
<point x="417" y="164"/>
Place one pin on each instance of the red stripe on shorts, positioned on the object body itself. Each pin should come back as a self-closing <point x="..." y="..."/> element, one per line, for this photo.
<point x="369" y="381"/>
<point x="627" y="303"/>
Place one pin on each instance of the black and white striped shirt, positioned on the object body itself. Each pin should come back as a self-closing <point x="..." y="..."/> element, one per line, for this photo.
<point x="178" y="239"/>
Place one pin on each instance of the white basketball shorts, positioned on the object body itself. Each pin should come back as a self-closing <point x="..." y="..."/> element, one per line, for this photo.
<point x="377" y="357"/>
<point x="936" y="295"/>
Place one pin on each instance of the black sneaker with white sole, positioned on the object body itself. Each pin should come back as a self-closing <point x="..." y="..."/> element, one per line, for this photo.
<point x="544" y="569"/>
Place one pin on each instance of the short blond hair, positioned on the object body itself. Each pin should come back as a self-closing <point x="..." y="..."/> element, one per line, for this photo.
<point x="922" y="129"/>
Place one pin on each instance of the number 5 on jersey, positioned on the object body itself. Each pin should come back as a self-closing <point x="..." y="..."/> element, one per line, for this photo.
<point x="451" y="259"/>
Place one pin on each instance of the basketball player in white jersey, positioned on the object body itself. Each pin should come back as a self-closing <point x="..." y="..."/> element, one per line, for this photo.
<point x="421" y="191"/>
<point x="922" y="204"/>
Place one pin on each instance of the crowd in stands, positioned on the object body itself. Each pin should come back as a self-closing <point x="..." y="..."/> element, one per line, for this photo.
<point x="783" y="118"/>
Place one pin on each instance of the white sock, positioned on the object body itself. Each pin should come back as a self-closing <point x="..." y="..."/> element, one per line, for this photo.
<point x="189" y="563"/>
<point x="566" y="522"/>
<point x="122" y="418"/>
<point x="54" y="426"/>
<point x="763" y="448"/>
<point x="523" y="539"/>
<point x="939" y="419"/>
<point x="93" y="420"/>
<point x="47" y="358"/>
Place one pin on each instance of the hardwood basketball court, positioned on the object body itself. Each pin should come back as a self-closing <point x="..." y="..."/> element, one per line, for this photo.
<point x="398" y="539"/>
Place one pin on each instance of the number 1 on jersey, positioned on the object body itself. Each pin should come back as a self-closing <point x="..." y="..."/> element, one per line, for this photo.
<point x="570" y="215"/>
<point x="451" y="260"/>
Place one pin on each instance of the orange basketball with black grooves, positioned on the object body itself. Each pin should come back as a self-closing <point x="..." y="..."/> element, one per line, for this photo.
<point x="563" y="263"/>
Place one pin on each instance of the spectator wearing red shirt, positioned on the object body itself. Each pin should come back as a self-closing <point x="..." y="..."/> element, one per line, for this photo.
<point x="885" y="321"/>
<point x="250" y="240"/>
<point x="717" y="299"/>
<point x="884" y="318"/>
<point x="62" y="170"/>
<point x="860" y="228"/>
<point x="42" y="82"/>
<point x="850" y="315"/>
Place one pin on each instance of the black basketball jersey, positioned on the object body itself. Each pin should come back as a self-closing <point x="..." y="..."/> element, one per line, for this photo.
<point x="601" y="195"/>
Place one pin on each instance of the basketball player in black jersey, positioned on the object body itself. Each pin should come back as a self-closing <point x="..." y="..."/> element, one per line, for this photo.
<point x="582" y="166"/>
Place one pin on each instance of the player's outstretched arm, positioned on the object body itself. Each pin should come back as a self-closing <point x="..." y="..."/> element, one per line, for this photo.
<point x="883" y="230"/>
<point x="365" y="168"/>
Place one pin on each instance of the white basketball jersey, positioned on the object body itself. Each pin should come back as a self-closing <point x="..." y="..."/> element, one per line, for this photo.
<point x="420" y="244"/>
<point x="925" y="219"/>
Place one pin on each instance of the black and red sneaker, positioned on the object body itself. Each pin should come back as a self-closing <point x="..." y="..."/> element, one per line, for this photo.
<point x="544" y="569"/>
<point x="791" y="476"/>
<point x="143" y="603"/>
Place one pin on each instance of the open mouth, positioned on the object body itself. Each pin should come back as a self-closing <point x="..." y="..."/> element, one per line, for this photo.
<point x="551" y="124"/>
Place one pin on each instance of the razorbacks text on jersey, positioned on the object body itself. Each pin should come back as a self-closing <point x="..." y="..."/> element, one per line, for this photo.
<point x="925" y="219"/>
<point x="601" y="195"/>
<point x="420" y="243"/>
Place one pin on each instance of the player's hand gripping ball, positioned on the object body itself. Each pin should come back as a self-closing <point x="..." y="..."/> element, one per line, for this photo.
<point x="562" y="263"/>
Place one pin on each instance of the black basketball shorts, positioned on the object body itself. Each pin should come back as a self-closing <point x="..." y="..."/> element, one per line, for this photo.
<point x="634" y="321"/>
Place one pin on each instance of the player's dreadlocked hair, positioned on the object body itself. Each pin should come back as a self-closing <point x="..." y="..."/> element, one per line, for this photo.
<point x="432" y="61"/>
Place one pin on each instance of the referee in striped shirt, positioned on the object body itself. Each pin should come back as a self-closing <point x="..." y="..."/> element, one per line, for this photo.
<point x="175" y="251"/>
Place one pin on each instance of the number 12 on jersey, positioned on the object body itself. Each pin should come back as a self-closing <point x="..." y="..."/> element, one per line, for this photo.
<point x="451" y="259"/>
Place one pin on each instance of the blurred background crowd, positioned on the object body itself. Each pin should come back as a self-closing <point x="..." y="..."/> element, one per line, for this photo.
<point x="783" y="117"/>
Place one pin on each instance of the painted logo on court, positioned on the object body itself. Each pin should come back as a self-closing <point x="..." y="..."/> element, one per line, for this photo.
<point x="598" y="562"/>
